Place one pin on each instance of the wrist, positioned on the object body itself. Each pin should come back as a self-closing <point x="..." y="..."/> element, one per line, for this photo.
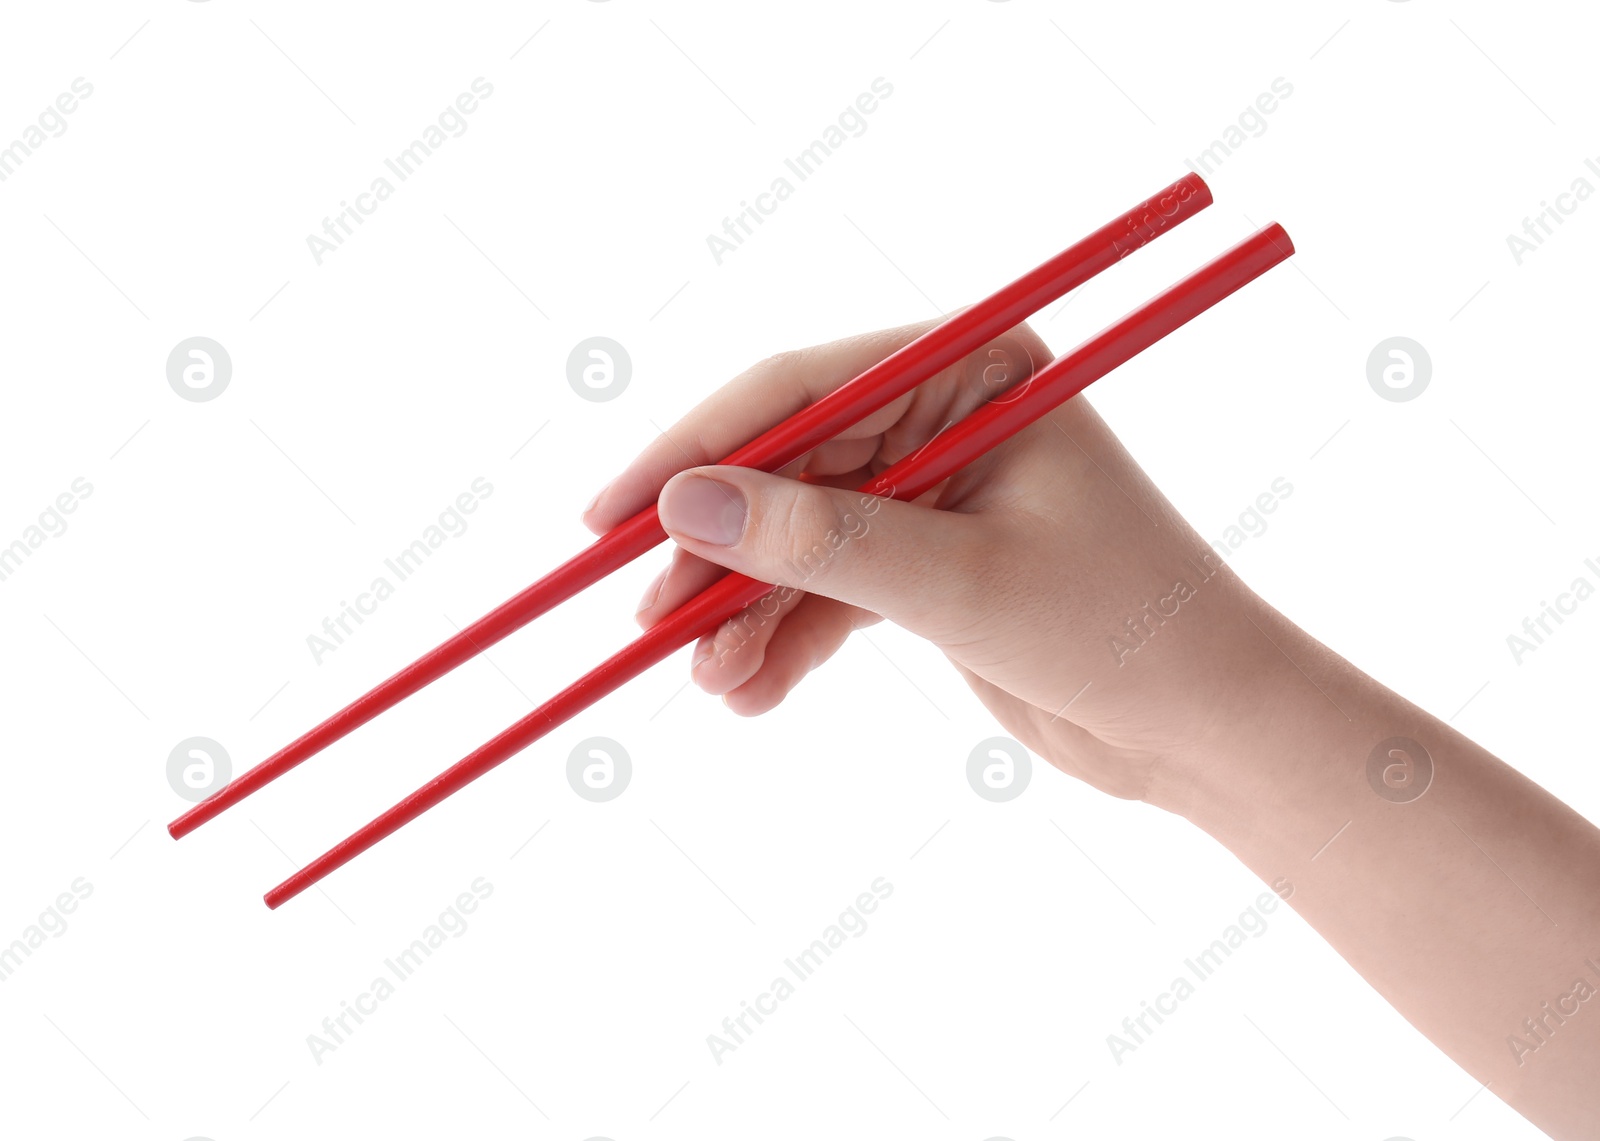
<point x="1277" y="738"/>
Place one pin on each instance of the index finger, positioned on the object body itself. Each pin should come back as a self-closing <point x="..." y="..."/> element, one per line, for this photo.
<point x="763" y="396"/>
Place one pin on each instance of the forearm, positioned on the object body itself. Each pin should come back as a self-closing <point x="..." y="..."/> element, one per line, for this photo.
<point x="1471" y="904"/>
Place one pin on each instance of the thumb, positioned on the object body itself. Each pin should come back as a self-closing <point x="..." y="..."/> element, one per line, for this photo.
<point x="917" y="566"/>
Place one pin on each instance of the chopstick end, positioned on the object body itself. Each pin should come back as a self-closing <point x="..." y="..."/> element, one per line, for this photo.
<point x="1279" y="237"/>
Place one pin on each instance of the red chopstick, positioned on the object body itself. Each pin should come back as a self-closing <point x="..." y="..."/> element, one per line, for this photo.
<point x="885" y="381"/>
<point x="942" y="457"/>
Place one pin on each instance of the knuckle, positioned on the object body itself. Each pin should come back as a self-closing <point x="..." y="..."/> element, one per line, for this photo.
<point x="1031" y="352"/>
<point x="800" y="530"/>
<point x="1031" y="342"/>
<point x="1007" y="362"/>
<point x="780" y="363"/>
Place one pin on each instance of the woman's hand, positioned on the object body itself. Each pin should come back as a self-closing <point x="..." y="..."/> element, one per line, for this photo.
<point x="1082" y="610"/>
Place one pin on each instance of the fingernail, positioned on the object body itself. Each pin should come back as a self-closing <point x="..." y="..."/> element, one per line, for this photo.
<point x="594" y="501"/>
<point x="651" y="593"/>
<point x="701" y="656"/>
<point x="704" y="509"/>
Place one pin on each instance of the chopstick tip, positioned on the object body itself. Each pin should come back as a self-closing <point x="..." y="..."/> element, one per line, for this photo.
<point x="1199" y="186"/>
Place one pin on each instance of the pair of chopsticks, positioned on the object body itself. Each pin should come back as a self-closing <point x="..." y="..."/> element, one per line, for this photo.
<point x="960" y="444"/>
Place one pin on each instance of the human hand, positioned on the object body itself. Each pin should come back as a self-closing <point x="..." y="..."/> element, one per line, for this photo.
<point x="1043" y="571"/>
<point x="1108" y="637"/>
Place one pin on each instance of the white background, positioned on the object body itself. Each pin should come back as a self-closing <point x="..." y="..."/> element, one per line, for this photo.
<point x="369" y="391"/>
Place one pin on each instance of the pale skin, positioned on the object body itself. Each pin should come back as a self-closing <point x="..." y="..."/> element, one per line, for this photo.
<point x="1472" y="908"/>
